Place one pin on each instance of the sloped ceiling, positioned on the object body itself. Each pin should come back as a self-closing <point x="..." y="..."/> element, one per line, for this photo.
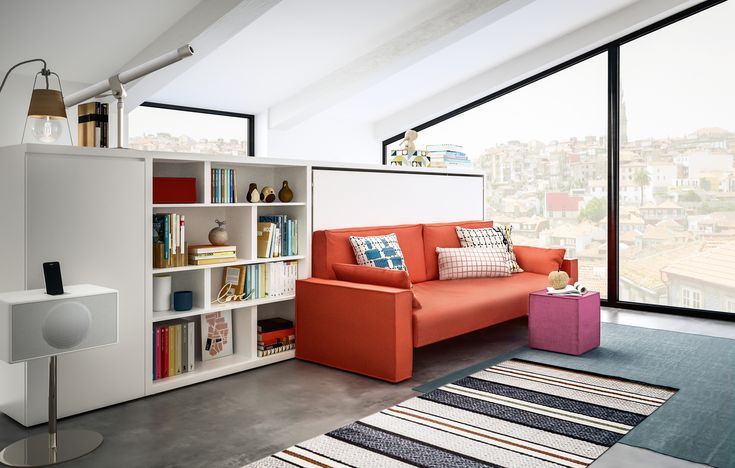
<point x="83" y="40"/>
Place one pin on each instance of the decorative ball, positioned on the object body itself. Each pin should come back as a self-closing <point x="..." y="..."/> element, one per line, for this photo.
<point x="558" y="279"/>
<point x="268" y="195"/>
<point x="218" y="235"/>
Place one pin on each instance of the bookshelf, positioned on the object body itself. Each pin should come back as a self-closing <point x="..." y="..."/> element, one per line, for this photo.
<point x="206" y="280"/>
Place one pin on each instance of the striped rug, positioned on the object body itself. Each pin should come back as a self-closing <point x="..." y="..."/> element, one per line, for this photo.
<point x="514" y="414"/>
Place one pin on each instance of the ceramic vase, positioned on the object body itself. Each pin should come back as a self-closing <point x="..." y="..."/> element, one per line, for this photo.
<point x="218" y="235"/>
<point x="253" y="196"/>
<point x="285" y="194"/>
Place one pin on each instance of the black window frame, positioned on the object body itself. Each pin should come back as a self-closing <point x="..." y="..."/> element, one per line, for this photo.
<point x="249" y="117"/>
<point x="613" y="148"/>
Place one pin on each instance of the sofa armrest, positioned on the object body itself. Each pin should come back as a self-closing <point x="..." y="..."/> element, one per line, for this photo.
<point x="361" y="328"/>
<point x="570" y="266"/>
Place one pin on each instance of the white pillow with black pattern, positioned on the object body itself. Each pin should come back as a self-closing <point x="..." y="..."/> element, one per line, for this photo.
<point x="378" y="251"/>
<point x="494" y="237"/>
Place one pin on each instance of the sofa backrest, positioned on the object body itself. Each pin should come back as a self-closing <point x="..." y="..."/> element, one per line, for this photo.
<point x="418" y="243"/>
<point x="444" y="235"/>
<point x="333" y="246"/>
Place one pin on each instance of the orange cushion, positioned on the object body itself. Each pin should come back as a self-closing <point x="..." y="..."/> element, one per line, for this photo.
<point x="444" y="235"/>
<point x="365" y="274"/>
<point x="333" y="246"/>
<point x="539" y="260"/>
<point x="452" y="308"/>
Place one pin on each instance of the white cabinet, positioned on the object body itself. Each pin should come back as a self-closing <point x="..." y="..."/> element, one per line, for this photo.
<point x="84" y="208"/>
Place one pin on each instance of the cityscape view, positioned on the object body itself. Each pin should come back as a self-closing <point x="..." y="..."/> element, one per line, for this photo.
<point x="187" y="144"/>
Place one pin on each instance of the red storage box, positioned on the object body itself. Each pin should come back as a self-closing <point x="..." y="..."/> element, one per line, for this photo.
<point x="174" y="190"/>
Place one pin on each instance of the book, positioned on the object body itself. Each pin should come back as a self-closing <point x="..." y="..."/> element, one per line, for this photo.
<point x="273" y="324"/>
<point x="265" y="239"/>
<point x="164" y="352"/>
<point x="576" y="289"/>
<point x="157" y="353"/>
<point x="208" y="248"/>
<point x="177" y="349"/>
<point x="276" y="350"/>
<point x="211" y="261"/>
<point x="272" y="337"/>
<point x="171" y="351"/>
<point x="191" y="345"/>
<point x="218" y="256"/>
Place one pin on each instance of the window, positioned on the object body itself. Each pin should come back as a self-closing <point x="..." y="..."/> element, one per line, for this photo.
<point x="677" y="149"/>
<point x="691" y="298"/>
<point x="543" y="144"/>
<point x="162" y="127"/>
<point x="544" y="152"/>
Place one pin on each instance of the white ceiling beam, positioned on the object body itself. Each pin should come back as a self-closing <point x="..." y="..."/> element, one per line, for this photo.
<point x="571" y="45"/>
<point x="207" y="26"/>
<point x="450" y="24"/>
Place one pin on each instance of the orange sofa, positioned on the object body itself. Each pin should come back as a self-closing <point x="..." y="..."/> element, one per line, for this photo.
<point x="372" y="330"/>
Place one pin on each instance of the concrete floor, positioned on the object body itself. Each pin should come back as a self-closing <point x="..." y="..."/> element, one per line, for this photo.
<point x="237" y="419"/>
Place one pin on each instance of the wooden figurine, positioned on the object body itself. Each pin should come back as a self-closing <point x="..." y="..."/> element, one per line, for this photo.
<point x="285" y="194"/>
<point x="253" y="196"/>
<point x="268" y="195"/>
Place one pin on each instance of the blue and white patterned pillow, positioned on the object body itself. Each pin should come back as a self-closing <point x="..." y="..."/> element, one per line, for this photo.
<point x="378" y="251"/>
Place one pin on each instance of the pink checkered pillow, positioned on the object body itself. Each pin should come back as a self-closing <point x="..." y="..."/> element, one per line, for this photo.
<point x="473" y="262"/>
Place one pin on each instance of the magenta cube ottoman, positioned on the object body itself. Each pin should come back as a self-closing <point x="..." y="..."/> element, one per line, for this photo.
<point x="564" y="324"/>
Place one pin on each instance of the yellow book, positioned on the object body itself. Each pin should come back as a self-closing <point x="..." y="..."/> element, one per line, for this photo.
<point x="265" y="235"/>
<point x="212" y="261"/>
<point x="179" y="369"/>
<point x="171" y="350"/>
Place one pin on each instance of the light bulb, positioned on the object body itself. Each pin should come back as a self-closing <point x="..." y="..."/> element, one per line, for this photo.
<point x="46" y="129"/>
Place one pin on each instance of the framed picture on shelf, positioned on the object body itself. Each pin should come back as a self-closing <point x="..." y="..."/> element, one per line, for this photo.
<point x="216" y="335"/>
<point x="235" y="277"/>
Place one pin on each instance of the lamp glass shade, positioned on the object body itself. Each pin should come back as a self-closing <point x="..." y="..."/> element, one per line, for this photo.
<point x="46" y="115"/>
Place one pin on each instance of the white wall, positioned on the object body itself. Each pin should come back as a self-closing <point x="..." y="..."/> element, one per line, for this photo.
<point x="14" y="100"/>
<point x="325" y="137"/>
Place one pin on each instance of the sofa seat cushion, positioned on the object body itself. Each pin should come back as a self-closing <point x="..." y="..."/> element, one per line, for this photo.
<point x="333" y="246"/>
<point x="444" y="235"/>
<point x="452" y="308"/>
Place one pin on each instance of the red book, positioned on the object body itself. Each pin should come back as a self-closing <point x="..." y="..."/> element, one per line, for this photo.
<point x="157" y="351"/>
<point x="164" y="351"/>
<point x="272" y="337"/>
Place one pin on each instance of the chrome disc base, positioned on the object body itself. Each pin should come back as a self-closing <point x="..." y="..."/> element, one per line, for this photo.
<point x="36" y="450"/>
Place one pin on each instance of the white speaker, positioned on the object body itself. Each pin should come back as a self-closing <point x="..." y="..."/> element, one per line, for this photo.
<point x="34" y="324"/>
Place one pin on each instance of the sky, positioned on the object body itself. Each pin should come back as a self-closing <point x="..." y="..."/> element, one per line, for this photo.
<point x="148" y="120"/>
<point x="675" y="80"/>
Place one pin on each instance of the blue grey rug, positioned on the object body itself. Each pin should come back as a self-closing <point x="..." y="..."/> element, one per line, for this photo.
<point x="696" y="424"/>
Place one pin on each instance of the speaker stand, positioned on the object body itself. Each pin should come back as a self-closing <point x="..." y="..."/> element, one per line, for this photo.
<point x="52" y="447"/>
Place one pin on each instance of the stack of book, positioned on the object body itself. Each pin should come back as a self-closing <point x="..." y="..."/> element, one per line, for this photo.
<point x="271" y="279"/>
<point x="224" y="186"/>
<point x="447" y="155"/>
<point x="278" y="236"/>
<point x="207" y="254"/>
<point x="93" y="127"/>
<point x="169" y="240"/>
<point x="275" y="336"/>
<point x="174" y="348"/>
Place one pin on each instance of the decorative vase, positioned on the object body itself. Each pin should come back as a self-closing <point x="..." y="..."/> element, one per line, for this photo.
<point x="285" y="194"/>
<point x="218" y="235"/>
<point x="161" y="293"/>
<point x="268" y="195"/>
<point x="253" y="196"/>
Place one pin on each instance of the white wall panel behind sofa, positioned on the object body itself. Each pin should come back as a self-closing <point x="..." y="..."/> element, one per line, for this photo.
<point x="370" y="197"/>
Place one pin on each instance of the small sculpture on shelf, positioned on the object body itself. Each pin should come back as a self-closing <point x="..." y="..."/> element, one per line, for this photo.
<point x="268" y="195"/>
<point x="253" y="196"/>
<point x="285" y="194"/>
<point x="218" y="235"/>
<point x="558" y="279"/>
<point x="407" y="144"/>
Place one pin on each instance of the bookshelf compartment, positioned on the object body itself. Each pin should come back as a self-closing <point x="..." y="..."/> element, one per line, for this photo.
<point x="195" y="169"/>
<point x="264" y="176"/>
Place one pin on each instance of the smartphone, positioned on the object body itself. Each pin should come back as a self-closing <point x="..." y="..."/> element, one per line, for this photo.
<point x="52" y="276"/>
